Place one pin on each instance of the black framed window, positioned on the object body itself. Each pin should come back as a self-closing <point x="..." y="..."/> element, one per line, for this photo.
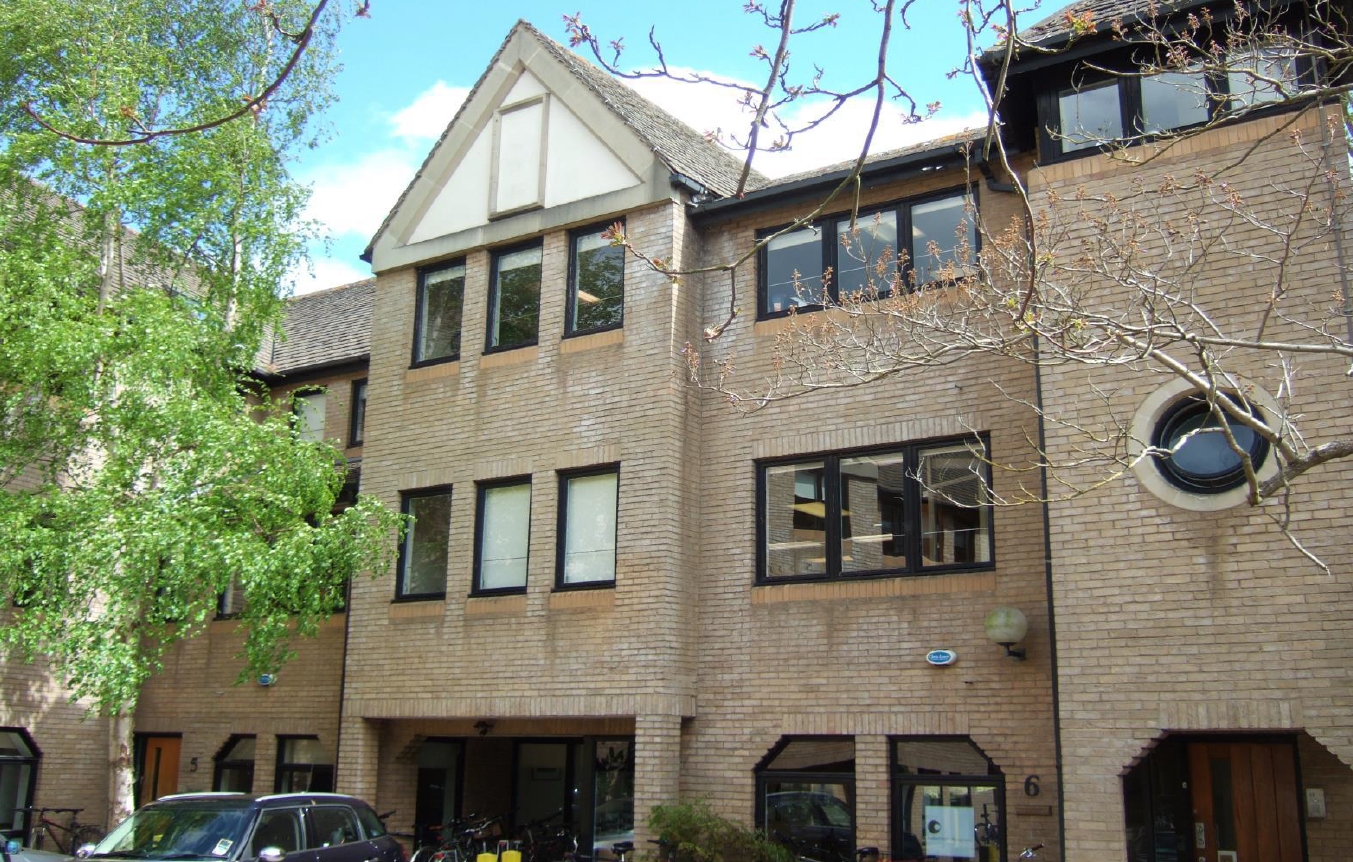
<point x="502" y="536"/>
<point x="588" y="510"/>
<point x="907" y="509"/>
<point x="19" y="758"/>
<point x="514" y="298"/>
<point x="948" y="800"/>
<point x="1103" y="108"/>
<point x="805" y="796"/>
<point x="1193" y="452"/>
<point x="234" y="768"/>
<point x="437" y="318"/>
<point x="357" y="419"/>
<point x="915" y="242"/>
<point x="304" y="764"/>
<point x="423" y="556"/>
<point x="596" y="282"/>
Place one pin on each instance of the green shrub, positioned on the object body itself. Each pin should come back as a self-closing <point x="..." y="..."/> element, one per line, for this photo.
<point x="700" y="835"/>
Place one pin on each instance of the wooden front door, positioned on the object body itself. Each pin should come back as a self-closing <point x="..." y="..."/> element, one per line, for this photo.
<point x="1245" y="802"/>
<point x="159" y="767"/>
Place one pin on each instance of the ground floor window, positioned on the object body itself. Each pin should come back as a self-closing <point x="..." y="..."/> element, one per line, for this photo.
<point x="806" y="796"/>
<point x="1215" y="797"/>
<point x="235" y="765"/>
<point x="948" y="801"/>
<point x="612" y="793"/>
<point x="303" y="764"/>
<point x="18" y="774"/>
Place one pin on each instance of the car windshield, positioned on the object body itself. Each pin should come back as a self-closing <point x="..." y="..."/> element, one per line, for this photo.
<point x="175" y="832"/>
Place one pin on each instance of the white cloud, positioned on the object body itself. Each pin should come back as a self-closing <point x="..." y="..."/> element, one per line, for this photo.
<point x="427" y="117"/>
<point x="711" y="108"/>
<point x="324" y="273"/>
<point x="354" y="198"/>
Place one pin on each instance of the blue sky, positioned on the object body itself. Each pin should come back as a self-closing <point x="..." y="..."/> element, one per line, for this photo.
<point x="408" y="67"/>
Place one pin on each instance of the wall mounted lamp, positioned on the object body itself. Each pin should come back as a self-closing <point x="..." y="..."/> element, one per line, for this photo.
<point x="483" y="726"/>
<point x="1006" y="627"/>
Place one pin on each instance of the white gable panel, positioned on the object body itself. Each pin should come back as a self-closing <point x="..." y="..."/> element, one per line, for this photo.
<point x="463" y="201"/>
<point x="527" y="86"/>
<point x="517" y="167"/>
<point x="580" y="165"/>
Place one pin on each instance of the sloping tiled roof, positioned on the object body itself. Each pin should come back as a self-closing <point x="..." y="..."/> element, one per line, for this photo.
<point x="945" y="143"/>
<point x="327" y="327"/>
<point x="1056" y="28"/>
<point x="681" y="148"/>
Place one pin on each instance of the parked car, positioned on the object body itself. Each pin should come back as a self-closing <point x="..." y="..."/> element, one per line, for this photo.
<point x="233" y="827"/>
<point x="16" y="852"/>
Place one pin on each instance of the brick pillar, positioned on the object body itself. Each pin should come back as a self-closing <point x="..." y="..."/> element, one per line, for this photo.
<point x="872" y="801"/>
<point x="657" y="769"/>
<point x="358" y="758"/>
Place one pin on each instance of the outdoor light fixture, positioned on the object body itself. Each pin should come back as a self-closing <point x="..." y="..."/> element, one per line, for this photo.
<point x="1007" y="627"/>
<point x="483" y="726"/>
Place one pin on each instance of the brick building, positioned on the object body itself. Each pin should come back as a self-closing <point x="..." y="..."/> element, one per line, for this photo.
<point x="619" y="591"/>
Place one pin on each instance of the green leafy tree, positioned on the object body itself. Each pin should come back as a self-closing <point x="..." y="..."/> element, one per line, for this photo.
<point x="146" y="223"/>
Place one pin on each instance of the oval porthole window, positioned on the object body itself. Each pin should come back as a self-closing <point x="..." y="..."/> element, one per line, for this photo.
<point x="1198" y="456"/>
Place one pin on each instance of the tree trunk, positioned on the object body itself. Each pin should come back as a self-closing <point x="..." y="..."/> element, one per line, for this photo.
<point x="121" y="765"/>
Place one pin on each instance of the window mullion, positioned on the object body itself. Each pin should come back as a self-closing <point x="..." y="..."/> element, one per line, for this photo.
<point x="831" y="475"/>
<point x="912" y="496"/>
<point x="829" y="246"/>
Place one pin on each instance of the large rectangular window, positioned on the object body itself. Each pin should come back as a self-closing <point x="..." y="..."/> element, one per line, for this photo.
<point x="514" y="298"/>
<point x="894" y="511"/>
<point x="915" y="242"/>
<point x="596" y="282"/>
<point x="1110" y="108"/>
<point x="441" y="294"/>
<point x="587" y="524"/>
<point x="503" y="536"/>
<point x="422" y="557"/>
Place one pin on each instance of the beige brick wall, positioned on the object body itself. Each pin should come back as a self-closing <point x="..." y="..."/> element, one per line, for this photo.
<point x="848" y="658"/>
<point x="1172" y="620"/>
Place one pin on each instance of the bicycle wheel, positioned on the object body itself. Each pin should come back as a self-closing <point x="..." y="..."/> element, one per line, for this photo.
<point x="87" y="834"/>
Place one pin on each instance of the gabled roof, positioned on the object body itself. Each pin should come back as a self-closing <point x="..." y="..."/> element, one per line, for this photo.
<point x="933" y="154"/>
<point x="681" y="148"/>
<point x="322" y="329"/>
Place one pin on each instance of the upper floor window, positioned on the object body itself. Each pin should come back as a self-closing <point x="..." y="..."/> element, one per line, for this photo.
<point x="596" y="282"/>
<point x="912" y="508"/>
<point x="357" y="431"/>
<point x="503" y="536"/>
<point x="1108" y="108"/>
<point x="309" y="413"/>
<point x="914" y="242"/>
<point x="441" y="292"/>
<point x="587" y="525"/>
<point x="422" y="557"/>
<point x="514" y="298"/>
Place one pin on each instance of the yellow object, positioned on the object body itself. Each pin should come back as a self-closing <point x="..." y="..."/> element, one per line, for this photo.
<point x="486" y="857"/>
<point x="510" y="856"/>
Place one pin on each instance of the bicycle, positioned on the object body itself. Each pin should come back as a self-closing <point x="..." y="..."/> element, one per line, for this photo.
<point x="77" y="834"/>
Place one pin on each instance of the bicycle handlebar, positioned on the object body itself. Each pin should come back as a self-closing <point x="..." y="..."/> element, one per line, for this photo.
<point x="34" y="810"/>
